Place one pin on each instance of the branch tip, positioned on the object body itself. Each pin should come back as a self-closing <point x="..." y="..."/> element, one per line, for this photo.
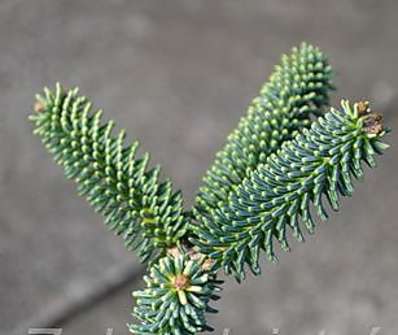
<point x="372" y="121"/>
<point x="181" y="282"/>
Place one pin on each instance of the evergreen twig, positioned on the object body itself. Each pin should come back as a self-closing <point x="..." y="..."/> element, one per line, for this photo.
<point x="286" y="160"/>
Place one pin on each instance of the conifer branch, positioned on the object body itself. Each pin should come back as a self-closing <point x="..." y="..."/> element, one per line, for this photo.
<point x="179" y="290"/>
<point x="276" y="170"/>
<point x="317" y="165"/>
<point x="298" y="89"/>
<point x="145" y="211"/>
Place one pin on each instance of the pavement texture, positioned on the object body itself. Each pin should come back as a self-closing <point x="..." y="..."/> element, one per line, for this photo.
<point x="177" y="75"/>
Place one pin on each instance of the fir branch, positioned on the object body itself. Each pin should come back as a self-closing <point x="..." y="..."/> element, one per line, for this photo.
<point x="276" y="168"/>
<point x="316" y="165"/>
<point x="146" y="212"/>
<point x="179" y="290"/>
<point x="296" y="90"/>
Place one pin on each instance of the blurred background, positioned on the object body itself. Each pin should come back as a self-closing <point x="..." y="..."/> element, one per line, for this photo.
<point x="178" y="75"/>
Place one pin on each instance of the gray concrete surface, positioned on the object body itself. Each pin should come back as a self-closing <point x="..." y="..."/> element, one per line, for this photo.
<point x="178" y="74"/>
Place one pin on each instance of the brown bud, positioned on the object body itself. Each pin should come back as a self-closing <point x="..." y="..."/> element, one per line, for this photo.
<point x="373" y="123"/>
<point x="207" y="264"/>
<point x="181" y="282"/>
<point x="38" y="107"/>
<point x="174" y="252"/>
<point x="363" y="107"/>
